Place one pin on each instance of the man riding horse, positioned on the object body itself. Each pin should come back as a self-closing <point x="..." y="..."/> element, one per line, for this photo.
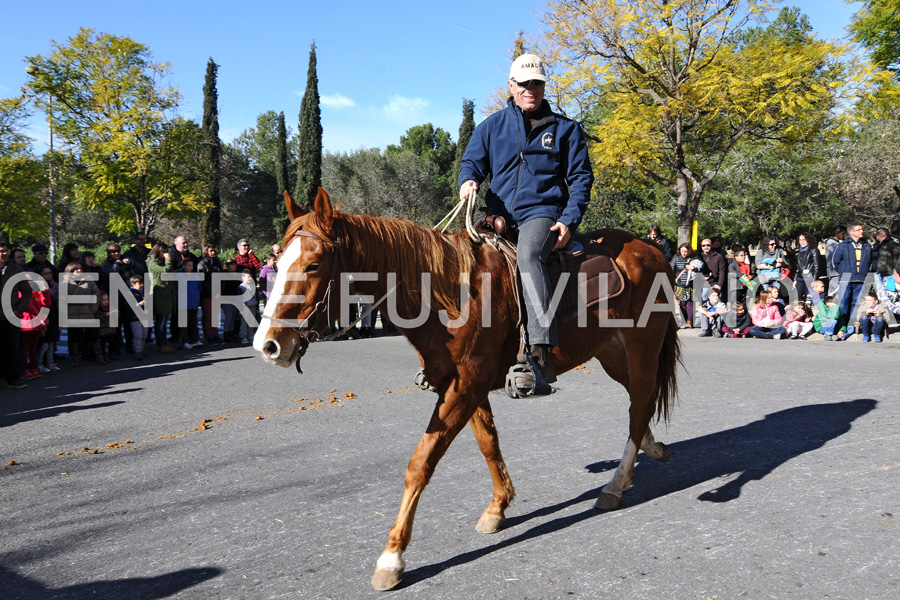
<point x="541" y="182"/>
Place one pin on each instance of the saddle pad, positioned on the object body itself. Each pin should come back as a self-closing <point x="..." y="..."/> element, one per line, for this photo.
<point x="593" y="277"/>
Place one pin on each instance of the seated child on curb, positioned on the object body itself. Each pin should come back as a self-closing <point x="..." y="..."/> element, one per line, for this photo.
<point x="737" y="323"/>
<point x="711" y="313"/>
<point x="871" y="319"/>
<point x="826" y="316"/>
<point x="767" y="318"/>
<point x="798" y="321"/>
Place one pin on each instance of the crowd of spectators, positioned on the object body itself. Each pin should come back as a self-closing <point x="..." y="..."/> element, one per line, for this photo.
<point x="102" y="310"/>
<point x="846" y="285"/>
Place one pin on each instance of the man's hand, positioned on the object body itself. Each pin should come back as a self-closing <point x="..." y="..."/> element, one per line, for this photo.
<point x="564" y="235"/>
<point x="466" y="188"/>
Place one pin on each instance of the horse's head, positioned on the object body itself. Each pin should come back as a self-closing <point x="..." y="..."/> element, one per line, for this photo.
<point x="297" y="308"/>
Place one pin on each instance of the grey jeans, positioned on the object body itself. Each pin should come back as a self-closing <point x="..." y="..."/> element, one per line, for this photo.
<point x="535" y="244"/>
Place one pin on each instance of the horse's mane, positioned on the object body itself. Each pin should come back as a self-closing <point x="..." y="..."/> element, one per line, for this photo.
<point x="384" y="245"/>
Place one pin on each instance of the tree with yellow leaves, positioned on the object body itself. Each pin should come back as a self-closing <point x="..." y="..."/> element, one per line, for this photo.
<point x="670" y="86"/>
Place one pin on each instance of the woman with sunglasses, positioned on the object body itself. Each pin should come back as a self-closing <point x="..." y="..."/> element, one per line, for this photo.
<point x="541" y="182"/>
<point x="769" y="259"/>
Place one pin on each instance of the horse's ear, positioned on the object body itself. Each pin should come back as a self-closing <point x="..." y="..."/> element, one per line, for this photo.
<point x="323" y="209"/>
<point x="293" y="211"/>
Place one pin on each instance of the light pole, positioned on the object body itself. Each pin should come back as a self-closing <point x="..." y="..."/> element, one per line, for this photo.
<point x="33" y="71"/>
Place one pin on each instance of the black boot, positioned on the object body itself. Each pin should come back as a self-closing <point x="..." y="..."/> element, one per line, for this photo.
<point x="541" y="353"/>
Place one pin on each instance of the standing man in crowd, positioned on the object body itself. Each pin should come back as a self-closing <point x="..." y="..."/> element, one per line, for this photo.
<point x="715" y="263"/>
<point x="541" y="182"/>
<point x="885" y="255"/>
<point x="179" y="253"/>
<point x="40" y="260"/>
<point x="245" y="259"/>
<point x="851" y="260"/>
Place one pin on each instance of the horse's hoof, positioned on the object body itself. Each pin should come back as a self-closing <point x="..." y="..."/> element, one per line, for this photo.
<point x="386" y="579"/>
<point x="490" y="523"/>
<point x="608" y="501"/>
<point x="664" y="453"/>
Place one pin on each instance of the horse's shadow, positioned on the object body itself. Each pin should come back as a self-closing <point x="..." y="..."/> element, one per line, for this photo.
<point x="751" y="451"/>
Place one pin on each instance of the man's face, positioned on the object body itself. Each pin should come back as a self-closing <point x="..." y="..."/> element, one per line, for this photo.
<point x="19" y="258"/>
<point x="276" y="249"/>
<point x="856" y="232"/>
<point x="881" y="236"/>
<point x="706" y="246"/>
<point x="527" y="98"/>
<point x="180" y="243"/>
<point x="4" y="255"/>
<point x="244" y="248"/>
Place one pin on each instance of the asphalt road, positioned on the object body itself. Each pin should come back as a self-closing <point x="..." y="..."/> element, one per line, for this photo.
<point x="783" y="481"/>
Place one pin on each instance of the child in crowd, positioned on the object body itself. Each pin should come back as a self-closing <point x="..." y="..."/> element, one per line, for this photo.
<point x="777" y="300"/>
<point x="798" y="320"/>
<point x="248" y="289"/>
<point x="190" y="335"/>
<point x="737" y="323"/>
<point x="871" y="319"/>
<point x="816" y="294"/>
<point x="267" y="275"/>
<point x="826" y="316"/>
<point x="31" y="332"/>
<point x="712" y="313"/>
<point x="107" y="343"/>
<point x="139" y="332"/>
<point x="230" y="284"/>
<point x="766" y="318"/>
<point x="50" y="334"/>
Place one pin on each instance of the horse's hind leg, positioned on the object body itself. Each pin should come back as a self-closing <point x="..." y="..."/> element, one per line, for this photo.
<point x="482" y="423"/>
<point x="637" y="372"/>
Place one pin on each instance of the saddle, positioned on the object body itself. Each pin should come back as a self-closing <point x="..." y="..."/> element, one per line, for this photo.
<point x="589" y="271"/>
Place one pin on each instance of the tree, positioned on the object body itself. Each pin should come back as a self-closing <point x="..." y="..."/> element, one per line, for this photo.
<point x="281" y="219"/>
<point x="877" y="27"/>
<point x="398" y="185"/>
<point x="432" y="145"/>
<point x="466" y="129"/>
<point x="116" y="117"/>
<point x="211" y="219"/>
<point x="674" y="87"/>
<point x="309" y="169"/>
<point x="22" y="178"/>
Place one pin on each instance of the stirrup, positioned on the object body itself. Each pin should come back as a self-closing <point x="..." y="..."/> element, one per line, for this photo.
<point x="422" y="383"/>
<point x="525" y="380"/>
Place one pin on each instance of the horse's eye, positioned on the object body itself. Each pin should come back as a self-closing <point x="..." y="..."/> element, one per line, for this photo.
<point x="311" y="267"/>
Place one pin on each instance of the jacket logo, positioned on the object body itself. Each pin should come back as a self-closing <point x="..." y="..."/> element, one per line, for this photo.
<point x="547" y="141"/>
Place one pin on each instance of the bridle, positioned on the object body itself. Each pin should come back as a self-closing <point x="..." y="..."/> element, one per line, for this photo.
<point x="309" y="333"/>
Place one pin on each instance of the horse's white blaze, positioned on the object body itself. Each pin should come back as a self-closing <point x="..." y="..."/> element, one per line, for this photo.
<point x="290" y="256"/>
<point x="391" y="561"/>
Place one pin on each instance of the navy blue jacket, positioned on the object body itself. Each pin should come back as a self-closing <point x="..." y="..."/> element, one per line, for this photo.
<point x="546" y="174"/>
<point x="844" y="259"/>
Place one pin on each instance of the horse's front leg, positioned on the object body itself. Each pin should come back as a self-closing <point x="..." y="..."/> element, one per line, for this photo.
<point x="482" y="423"/>
<point x="449" y="417"/>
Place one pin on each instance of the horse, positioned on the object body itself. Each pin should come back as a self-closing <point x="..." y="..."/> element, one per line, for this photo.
<point x="467" y="341"/>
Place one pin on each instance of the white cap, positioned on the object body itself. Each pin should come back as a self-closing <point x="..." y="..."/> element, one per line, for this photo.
<point x="527" y="68"/>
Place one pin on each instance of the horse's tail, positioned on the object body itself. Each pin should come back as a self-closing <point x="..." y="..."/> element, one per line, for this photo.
<point x="666" y="387"/>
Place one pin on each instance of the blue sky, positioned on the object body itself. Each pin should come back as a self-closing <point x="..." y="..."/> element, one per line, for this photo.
<point x="382" y="67"/>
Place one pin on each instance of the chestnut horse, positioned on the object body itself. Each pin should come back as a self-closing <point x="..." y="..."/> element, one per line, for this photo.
<point x="466" y="344"/>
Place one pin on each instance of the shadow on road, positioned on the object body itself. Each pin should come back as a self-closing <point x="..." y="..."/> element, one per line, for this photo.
<point x="148" y="588"/>
<point x="752" y="451"/>
<point x="56" y="394"/>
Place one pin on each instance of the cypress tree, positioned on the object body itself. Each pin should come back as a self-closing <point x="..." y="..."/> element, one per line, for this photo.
<point x="281" y="220"/>
<point x="466" y="128"/>
<point x="309" y="168"/>
<point x="211" y="219"/>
